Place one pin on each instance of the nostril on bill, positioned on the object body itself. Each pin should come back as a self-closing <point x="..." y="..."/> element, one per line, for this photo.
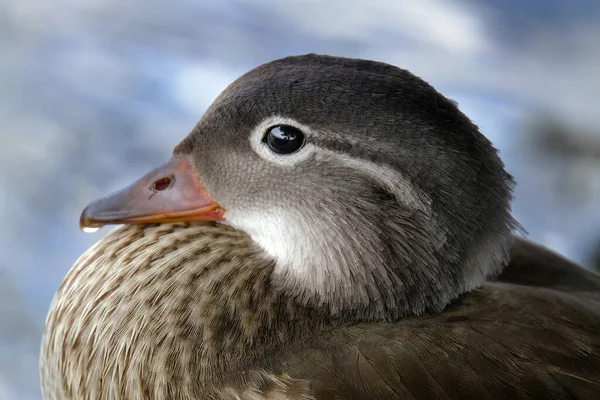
<point x="161" y="184"/>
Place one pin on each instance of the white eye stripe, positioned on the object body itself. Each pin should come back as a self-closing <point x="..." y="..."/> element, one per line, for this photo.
<point x="390" y="179"/>
<point x="262" y="149"/>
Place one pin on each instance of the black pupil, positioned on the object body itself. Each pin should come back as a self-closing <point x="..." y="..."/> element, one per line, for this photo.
<point x="284" y="139"/>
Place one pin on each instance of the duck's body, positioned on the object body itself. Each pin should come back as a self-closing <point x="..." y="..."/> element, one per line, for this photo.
<point x="216" y="327"/>
<point x="366" y="257"/>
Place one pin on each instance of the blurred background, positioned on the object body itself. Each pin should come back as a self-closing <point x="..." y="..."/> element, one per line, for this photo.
<point x="93" y="93"/>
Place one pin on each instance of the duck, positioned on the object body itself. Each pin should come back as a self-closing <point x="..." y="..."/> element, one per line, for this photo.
<point x="332" y="228"/>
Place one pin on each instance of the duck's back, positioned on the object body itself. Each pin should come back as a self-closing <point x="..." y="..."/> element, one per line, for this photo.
<point x="536" y="266"/>
<point x="533" y="333"/>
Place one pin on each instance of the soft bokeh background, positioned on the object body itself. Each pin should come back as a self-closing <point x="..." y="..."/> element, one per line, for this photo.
<point x="93" y="93"/>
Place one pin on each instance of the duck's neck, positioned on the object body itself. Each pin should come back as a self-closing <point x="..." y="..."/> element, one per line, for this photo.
<point x="397" y="264"/>
<point x="195" y="303"/>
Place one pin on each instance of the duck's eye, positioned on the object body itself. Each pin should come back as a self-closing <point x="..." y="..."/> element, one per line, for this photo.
<point x="284" y="139"/>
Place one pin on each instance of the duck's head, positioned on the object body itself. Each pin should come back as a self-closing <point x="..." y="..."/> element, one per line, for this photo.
<point x="373" y="194"/>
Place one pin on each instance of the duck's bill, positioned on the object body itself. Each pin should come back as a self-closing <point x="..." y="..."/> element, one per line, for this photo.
<point x="170" y="193"/>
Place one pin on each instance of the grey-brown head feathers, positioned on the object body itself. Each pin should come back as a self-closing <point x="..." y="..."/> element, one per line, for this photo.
<point x="396" y="203"/>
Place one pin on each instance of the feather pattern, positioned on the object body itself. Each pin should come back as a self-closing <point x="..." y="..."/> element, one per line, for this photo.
<point x="228" y="333"/>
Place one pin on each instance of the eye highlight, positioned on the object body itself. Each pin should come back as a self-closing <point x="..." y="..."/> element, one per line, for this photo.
<point x="283" y="139"/>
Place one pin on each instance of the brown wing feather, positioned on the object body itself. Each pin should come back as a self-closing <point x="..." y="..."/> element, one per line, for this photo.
<point x="518" y="338"/>
<point x="505" y="341"/>
<point x="534" y="265"/>
<point x="532" y="334"/>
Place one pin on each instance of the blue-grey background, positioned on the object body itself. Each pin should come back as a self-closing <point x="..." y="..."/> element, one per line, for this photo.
<point x="93" y="93"/>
